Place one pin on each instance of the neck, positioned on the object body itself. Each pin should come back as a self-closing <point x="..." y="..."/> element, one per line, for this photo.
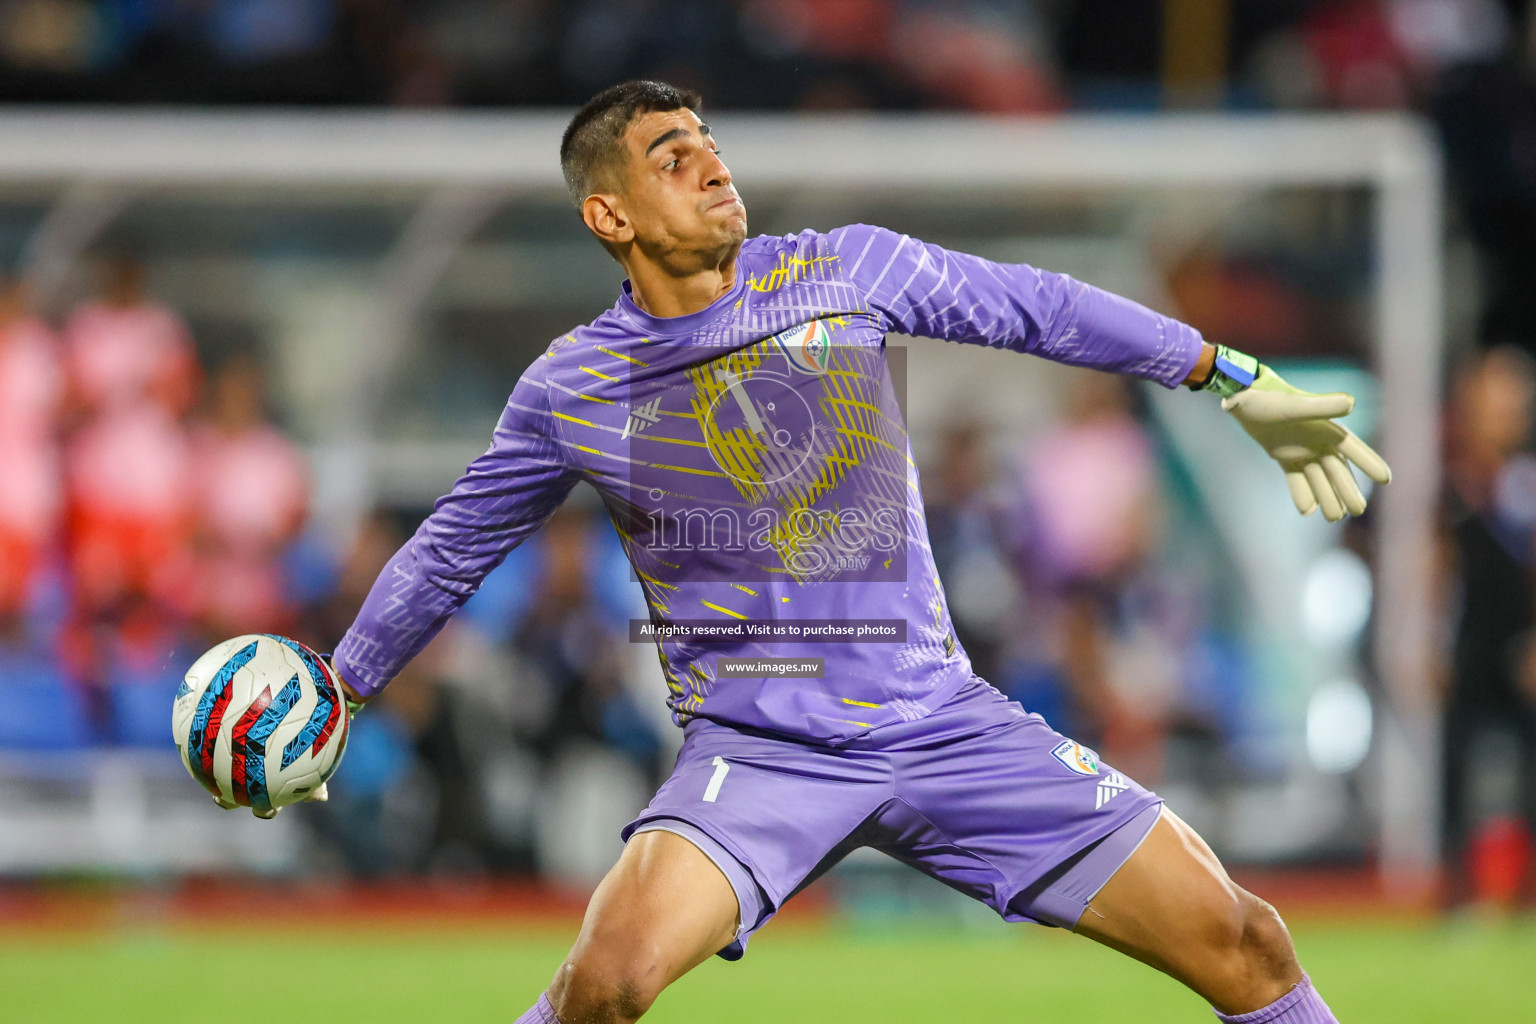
<point x="1472" y="474"/>
<point x="664" y="291"/>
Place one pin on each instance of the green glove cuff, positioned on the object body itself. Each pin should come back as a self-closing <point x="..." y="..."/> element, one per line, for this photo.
<point x="1231" y="372"/>
<point x="353" y="706"/>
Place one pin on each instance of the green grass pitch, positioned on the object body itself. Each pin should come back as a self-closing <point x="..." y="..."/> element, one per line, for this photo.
<point x="1400" y="973"/>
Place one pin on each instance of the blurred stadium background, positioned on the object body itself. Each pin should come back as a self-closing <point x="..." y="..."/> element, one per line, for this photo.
<point x="271" y="268"/>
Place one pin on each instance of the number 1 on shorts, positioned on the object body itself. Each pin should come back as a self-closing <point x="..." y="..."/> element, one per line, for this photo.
<point x="712" y="790"/>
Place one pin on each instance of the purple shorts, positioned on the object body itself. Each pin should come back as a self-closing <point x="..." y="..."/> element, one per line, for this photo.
<point x="980" y="794"/>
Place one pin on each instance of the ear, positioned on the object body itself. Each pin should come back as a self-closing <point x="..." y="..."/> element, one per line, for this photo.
<point x="605" y="217"/>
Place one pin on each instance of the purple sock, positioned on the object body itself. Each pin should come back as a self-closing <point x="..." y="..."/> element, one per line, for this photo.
<point x="543" y="1013"/>
<point x="1301" y="1005"/>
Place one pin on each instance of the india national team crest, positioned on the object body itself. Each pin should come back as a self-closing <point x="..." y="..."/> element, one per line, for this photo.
<point x="1076" y="758"/>
<point x="808" y="347"/>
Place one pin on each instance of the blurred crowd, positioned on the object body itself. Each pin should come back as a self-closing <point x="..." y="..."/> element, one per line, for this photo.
<point x="1469" y="65"/>
<point x="151" y="507"/>
<point x="992" y="55"/>
<point x="147" y="505"/>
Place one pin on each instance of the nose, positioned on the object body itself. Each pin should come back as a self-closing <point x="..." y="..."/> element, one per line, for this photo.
<point x="716" y="173"/>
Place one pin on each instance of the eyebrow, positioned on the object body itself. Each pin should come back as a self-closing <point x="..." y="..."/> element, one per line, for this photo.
<point x="675" y="133"/>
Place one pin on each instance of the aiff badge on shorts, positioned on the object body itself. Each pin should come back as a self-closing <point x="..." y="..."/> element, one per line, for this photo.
<point x="1077" y="758"/>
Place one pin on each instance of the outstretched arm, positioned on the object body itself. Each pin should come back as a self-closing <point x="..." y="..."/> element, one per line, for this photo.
<point x="503" y="496"/>
<point x="928" y="290"/>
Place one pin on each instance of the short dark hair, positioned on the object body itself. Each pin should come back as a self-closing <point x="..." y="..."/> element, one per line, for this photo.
<point x="590" y="151"/>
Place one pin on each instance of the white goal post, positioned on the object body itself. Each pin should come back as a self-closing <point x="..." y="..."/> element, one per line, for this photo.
<point x="466" y="162"/>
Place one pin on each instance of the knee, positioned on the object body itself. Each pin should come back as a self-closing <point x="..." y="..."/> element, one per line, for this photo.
<point x="1254" y="958"/>
<point x="1266" y="943"/>
<point x="590" y="988"/>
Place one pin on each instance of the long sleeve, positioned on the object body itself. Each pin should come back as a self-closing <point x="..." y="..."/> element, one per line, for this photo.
<point x="503" y="496"/>
<point x="927" y="290"/>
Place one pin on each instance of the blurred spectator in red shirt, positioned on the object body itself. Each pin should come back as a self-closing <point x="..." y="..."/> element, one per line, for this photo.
<point x="971" y="55"/>
<point x="1357" y="55"/>
<point x="978" y="56"/>
<point x="252" y="493"/>
<point x="133" y="375"/>
<point x="126" y="350"/>
<point x="1378" y="54"/>
<point x="31" y="393"/>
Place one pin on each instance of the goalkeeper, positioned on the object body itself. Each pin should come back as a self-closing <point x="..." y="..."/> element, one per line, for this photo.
<point x="741" y="383"/>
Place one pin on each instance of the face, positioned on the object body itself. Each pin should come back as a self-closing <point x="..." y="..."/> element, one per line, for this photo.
<point x="678" y="200"/>
<point x="1498" y="399"/>
<point x="237" y="394"/>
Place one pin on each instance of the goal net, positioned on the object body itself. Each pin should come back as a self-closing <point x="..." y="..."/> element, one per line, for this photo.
<point x="395" y="272"/>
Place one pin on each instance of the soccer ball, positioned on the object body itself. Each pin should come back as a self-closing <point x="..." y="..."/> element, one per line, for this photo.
<point x="261" y="722"/>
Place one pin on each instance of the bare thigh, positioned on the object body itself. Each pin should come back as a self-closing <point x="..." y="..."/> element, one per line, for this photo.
<point x="1172" y="906"/>
<point x="661" y="911"/>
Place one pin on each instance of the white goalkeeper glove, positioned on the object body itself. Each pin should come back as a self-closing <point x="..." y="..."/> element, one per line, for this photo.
<point x="319" y="796"/>
<point x="1298" y="430"/>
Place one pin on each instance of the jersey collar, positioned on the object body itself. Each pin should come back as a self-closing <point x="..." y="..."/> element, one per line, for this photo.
<point x="676" y="326"/>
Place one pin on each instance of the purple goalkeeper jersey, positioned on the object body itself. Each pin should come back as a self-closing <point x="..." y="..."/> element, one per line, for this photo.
<point x="754" y="459"/>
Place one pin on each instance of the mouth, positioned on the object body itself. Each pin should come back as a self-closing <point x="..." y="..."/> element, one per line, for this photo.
<point x="728" y="201"/>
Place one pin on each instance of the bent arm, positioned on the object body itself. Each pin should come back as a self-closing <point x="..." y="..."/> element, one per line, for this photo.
<point x="928" y="290"/>
<point x="503" y="496"/>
